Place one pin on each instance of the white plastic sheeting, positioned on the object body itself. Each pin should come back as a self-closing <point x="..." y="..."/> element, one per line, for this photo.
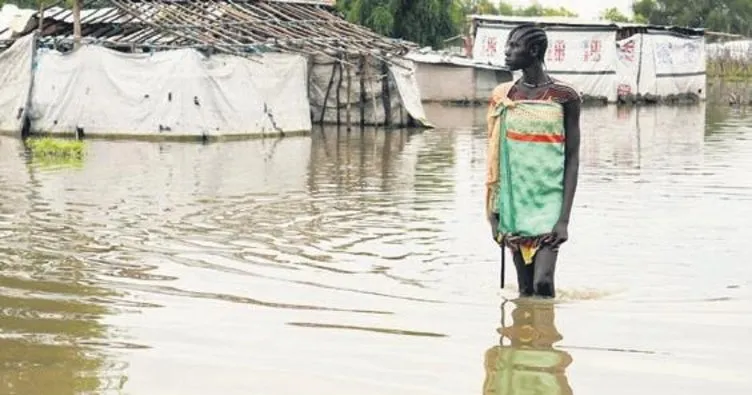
<point x="628" y="67"/>
<point x="183" y="93"/>
<point x="403" y="99"/>
<point x="444" y="76"/>
<point x="585" y="58"/>
<point x="678" y="65"/>
<point x="736" y="49"/>
<point x="15" y="81"/>
<point x="174" y="92"/>
<point x="407" y="86"/>
<point x="662" y="64"/>
<point x="13" y="20"/>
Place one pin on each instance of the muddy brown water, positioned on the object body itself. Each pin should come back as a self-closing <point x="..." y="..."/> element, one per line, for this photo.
<point x="360" y="264"/>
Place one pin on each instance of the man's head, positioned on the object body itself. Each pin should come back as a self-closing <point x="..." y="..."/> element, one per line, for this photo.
<point x="526" y="45"/>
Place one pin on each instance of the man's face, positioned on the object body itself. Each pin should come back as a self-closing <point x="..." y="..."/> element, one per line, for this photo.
<point x="517" y="55"/>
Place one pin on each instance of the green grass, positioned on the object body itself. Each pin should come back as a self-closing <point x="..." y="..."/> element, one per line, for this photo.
<point x="54" y="152"/>
<point x="729" y="69"/>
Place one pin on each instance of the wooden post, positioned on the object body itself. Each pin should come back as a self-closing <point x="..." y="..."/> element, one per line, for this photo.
<point x="402" y="115"/>
<point x="309" y="82"/>
<point x="339" y="88"/>
<point x="76" y="24"/>
<point x="385" y="97"/>
<point x="328" y="89"/>
<point x="26" y="124"/>
<point x="41" y="17"/>
<point x="373" y="95"/>
<point x="349" y="97"/>
<point x="363" y="93"/>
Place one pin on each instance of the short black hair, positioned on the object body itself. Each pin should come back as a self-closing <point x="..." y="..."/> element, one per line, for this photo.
<point x="531" y="34"/>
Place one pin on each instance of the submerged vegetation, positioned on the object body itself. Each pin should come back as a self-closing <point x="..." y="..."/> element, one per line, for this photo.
<point x="54" y="152"/>
<point x="729" y="69"/>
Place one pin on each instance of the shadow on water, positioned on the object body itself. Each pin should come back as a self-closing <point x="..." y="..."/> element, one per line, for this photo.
<point x="525" y="361"/>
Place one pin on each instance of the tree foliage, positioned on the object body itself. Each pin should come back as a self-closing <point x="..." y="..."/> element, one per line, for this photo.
<point x="33" y="4"/>
<point x="504" y="8"/>
<point x="429" y="22"/>
<point x="614" y="15"/>
<point x="731" y="16"/>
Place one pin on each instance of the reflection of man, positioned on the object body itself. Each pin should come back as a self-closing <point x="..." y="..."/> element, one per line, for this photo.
<point x="530" y="365"/>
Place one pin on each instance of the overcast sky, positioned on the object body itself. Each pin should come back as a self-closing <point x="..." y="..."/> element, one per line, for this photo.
<point x="585" y="8"/>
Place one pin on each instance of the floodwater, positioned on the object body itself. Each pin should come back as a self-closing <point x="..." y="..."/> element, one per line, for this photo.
<point x="360" y="263"/>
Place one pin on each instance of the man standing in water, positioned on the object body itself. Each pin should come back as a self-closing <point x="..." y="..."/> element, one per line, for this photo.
<point x="533" y="161"/>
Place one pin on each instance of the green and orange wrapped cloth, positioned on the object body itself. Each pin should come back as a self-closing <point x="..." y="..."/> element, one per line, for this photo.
<point x="525" y="169"/>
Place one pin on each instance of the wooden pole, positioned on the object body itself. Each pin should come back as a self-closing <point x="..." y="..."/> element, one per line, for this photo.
<point x="328" y="90"/>
<point x="385" y="96"/>
<point x="339" y="88"/>
<point x="503" y="267"/>
<point x="402" y="115"/>
<point x="349" y="98"/>
<point x="362" y="101"/>
<point x="76" y="24"/>
<point x="373" y="95"/>
<point x="26" y="124"/>
<point x="41" y="17"/>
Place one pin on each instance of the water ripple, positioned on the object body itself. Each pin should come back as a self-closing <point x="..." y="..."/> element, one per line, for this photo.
<point x="161" y="254"/>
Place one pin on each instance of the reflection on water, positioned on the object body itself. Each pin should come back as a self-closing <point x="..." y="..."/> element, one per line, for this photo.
<point x="529" y="364"/>
<point x="51" y="338"/>
<point x="360" y="263"/>
<point x="47" y="343"/>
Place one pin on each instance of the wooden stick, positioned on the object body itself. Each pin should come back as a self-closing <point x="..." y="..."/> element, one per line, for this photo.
<point x="235" y="26"/>
<point x="76" y="24"/>
<point x="402" y="114"/>
<point x="373" y="95"/>
<point x="503" y="264"/>
<point x="326" y="96"/>
<point x="362" y="101"/>
<point x="339" y="88"/>
<point x="41" y="16"/>
<point x="189" y="35"/>
<point x="385" y="96"/>
<point x="349" y="97"/>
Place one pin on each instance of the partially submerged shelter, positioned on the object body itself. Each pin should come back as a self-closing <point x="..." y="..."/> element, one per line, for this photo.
<point x="204" y="68"/>
<point x="662" y="62"/>
<point x="604" y="60"/>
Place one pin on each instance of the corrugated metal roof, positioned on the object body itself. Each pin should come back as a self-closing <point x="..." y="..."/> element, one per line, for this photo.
<point x="575" y="22"/>
<point x="446" y="58"/>
<point x="549" y="20"/>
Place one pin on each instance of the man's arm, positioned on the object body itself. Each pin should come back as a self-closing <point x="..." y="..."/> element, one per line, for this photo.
<point x="572" y="156"/>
